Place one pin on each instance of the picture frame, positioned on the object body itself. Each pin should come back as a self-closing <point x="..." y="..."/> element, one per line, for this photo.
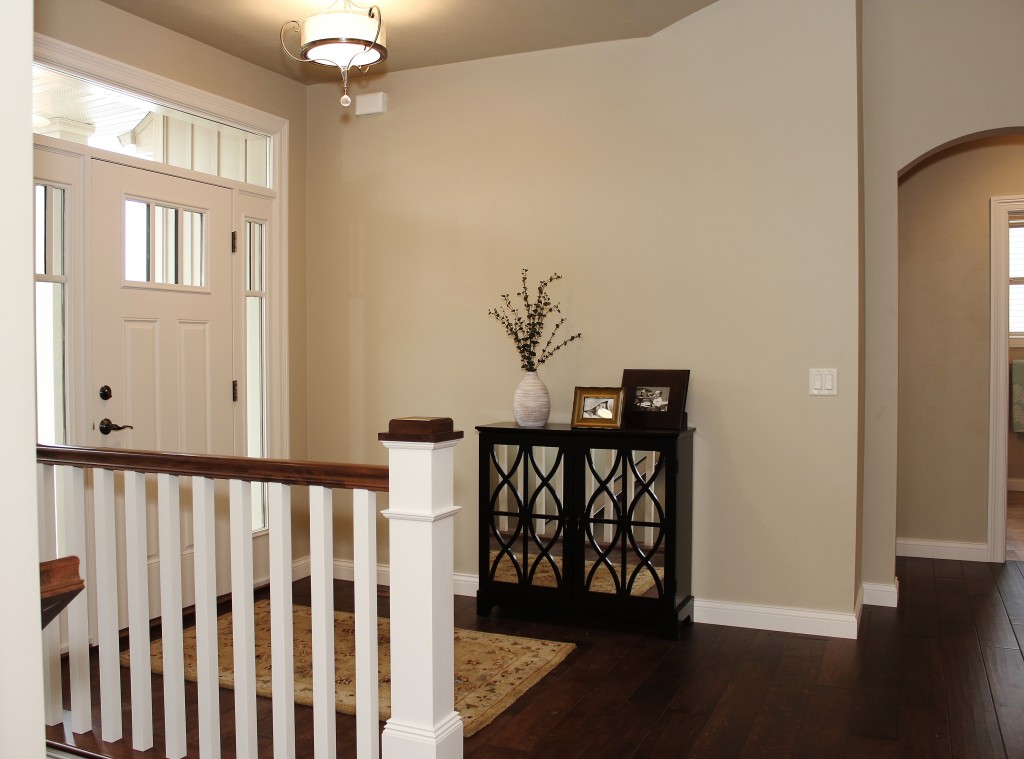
<point x="597" y="407"/>
<point x="655" y="399"/>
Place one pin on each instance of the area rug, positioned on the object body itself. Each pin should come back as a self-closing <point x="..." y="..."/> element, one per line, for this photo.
<point x="491" y="671"/>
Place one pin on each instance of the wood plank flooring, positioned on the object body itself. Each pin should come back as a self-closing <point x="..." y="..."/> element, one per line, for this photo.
<point x="942" y="676"/>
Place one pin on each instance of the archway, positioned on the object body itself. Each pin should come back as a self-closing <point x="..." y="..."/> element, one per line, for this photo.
<point x="951" y="471"/>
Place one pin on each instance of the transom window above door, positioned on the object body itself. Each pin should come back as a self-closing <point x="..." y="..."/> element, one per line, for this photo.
<point x="71" y="108"/>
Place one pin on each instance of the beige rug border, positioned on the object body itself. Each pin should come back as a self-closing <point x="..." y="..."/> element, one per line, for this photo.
<point x="471" y="725"/>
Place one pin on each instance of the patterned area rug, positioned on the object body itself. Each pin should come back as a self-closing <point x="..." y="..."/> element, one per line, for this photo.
<point x="491" y="671"/>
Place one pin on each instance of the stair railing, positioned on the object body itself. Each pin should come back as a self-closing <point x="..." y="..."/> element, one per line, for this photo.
<point x="419" y="478"/>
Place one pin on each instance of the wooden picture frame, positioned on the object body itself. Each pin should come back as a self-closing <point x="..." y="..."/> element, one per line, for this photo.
<point x="655" y="399"/>
<point x="597" y="407"/>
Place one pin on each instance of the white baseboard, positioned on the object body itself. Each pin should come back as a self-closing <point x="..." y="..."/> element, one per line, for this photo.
<point x="465" y="585"/>
<point x="941" y="549"/>
<point x="881" y="594"/>
<point x="1012" y="484"/>
<point x="779" y="618"/>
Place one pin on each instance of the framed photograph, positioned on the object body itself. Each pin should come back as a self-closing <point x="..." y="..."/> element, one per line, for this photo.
<point x="655" y="398"/>
<point x="597" y="407"/>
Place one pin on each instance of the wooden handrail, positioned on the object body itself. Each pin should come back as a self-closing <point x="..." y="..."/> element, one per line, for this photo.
<point x="350" y="476"/>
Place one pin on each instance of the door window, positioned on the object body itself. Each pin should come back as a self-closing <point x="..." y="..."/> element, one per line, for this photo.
<point x="163" y="245"/>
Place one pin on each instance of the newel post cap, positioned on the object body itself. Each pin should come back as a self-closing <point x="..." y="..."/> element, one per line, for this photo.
<point x="420" y="429"/>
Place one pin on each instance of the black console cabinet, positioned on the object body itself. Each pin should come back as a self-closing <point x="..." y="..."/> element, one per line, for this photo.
<point x="587" y="523"/>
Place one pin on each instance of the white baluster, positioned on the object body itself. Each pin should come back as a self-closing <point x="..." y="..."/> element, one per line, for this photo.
<point x="137" y="585"/>
<point x="321" y="567"/>
<point x="106" y="605"/>
<point x="53" y="706"/>
<point x="78" y="609"/>
<point x="424" y="723"/>
<point x="205" y="563"/>
<point x="243" y="631"/>
<point x="169" y="520"/>
<point x="281" y="624"/>
<point x="364" y="539"/>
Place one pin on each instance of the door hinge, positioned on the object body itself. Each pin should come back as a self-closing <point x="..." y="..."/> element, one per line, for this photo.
<point x="234" y="390"/>
<point x="234" y="243"/>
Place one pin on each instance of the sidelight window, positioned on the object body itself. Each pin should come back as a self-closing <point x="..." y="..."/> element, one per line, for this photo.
<point x="255" y="358"/>
<point x="51" y="287"/>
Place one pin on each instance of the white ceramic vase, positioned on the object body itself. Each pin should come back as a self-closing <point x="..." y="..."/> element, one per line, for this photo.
<point x="531" y="404"/>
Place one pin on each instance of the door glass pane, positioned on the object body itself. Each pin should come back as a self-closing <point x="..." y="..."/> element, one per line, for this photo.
<point x="49" y="254"/>
<point x="163" y="245"/>
<point x="1016" y="252"/>
<point x="50" y="406"/>
<point x="1016" y="308"/>
<point x="254" y="259"/>
<point x="49" y="230"/>
<point x="40" y="232"/>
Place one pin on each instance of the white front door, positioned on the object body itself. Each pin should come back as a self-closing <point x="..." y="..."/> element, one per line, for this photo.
<point x="160" y="295"/>
<point x="159" y="335"/>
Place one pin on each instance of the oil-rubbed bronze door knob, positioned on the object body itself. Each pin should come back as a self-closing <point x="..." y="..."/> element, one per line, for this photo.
<point x="107" y="426"/>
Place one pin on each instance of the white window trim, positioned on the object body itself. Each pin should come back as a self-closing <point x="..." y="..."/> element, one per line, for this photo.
<point x="175" y="94"/>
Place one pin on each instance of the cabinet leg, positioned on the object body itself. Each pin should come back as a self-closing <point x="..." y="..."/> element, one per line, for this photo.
<point x="483" y="606"/>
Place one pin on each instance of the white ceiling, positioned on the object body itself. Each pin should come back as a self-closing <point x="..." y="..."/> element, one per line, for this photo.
<point x="419" y="32"/>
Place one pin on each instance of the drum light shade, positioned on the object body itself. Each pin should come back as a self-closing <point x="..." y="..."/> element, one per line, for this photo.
<point x="343" y="38"/>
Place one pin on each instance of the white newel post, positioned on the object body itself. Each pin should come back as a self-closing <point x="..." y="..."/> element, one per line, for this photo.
<point x="424" y="723"/>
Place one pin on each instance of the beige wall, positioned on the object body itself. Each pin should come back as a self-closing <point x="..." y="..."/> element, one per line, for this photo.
<point x="21" y="687"/>
<point x="699" y="193"/>
<point x="944" y="318"/>
<point x="100" y="28"/>
<point x="932" y="73"/>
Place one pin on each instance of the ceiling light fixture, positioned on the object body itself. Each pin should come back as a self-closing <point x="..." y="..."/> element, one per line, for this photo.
<point x="352" y="35"/>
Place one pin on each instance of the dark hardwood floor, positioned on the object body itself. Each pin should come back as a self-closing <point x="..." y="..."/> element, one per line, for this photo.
<point x="942" y="676"/>
<point x="1015" y="525"/>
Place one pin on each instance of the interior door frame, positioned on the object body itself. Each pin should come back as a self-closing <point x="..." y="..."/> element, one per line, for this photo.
<point x="127" y="78"/>
<point x="999" y="381"/>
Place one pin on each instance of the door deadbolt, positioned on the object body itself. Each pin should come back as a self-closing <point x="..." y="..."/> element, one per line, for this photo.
<point x="106" y="393"/>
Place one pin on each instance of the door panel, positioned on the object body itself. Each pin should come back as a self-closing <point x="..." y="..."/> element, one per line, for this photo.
<point x="164" y="349"/>
<point x="160" y="331"/>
